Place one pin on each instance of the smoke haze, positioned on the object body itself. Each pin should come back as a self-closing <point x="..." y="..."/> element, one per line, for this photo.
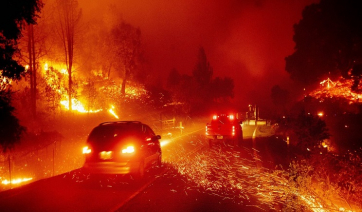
<point x="245" y="40"/>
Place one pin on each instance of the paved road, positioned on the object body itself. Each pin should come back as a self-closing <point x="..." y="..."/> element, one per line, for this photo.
<point x="193" y="177"/>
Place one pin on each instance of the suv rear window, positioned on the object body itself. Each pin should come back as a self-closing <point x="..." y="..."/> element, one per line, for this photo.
<point x="108" y="133"/>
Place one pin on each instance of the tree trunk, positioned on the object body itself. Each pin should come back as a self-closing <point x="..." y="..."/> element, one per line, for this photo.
<point x="123" y="89"/>
<point x="70" y="89"/>
<point x="32" y="70"/>
<point x="126" y="75"/>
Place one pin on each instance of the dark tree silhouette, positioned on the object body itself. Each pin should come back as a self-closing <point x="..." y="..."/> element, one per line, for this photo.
<point x="202" y="76"/>
<point x="14" y="16"/>
<point x="200" y="91"/>
<point x="328" y="40"/>
<point x="310" y="131"/>
<point x="203" y="71"/>
<point x="306" y="132"/>
<point x="356" y="73"/>
<point x="222" y="89"/>
<point x="10" y="129"/>
<point x="173" y="79"/>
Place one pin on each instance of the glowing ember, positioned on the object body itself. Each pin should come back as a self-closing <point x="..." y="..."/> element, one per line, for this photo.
<point x="16" y="181"/>
<point x="339" y="89"/>
<point x="111" y="111"/>
<point x="227" y="173"/>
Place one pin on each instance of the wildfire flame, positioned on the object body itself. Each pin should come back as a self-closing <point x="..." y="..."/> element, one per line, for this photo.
<point x="16" y="181"/>
<point x="77" y="106"/>
<point x="4" y="81"/>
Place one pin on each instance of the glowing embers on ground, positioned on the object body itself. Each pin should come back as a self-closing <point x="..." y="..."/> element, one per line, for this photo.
<point x="338" y="89"/>
<point x="16" y="181"/>
<point x="227" y="173"/>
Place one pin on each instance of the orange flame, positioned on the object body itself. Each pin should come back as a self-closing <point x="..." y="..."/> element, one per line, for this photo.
<point x="76" y="106"/>
<point x="16" y="181"/>
<point x="338" y="89"/>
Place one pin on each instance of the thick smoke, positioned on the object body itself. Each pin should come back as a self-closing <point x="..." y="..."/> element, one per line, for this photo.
<point x="246" y="40"/>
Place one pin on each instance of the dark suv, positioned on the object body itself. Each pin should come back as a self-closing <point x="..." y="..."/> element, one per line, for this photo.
<point x="123" y="147"/>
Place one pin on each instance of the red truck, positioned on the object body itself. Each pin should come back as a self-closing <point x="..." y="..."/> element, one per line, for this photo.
<point x="224" y="127"/>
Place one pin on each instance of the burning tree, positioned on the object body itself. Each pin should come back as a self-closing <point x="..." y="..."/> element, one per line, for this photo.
<point x="127" y="47"/>
<point x="68" y="16"/>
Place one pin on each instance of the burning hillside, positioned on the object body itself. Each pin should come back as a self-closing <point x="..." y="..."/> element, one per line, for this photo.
<point x="91" y="94"/>
<point x="338" y="89"/>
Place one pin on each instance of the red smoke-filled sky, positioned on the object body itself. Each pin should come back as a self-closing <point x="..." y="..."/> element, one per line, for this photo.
<point x="246" y="40"/>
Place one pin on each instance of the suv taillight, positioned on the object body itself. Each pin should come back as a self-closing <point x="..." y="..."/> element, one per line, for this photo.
<point x="128" y="149"/>
<point x="86" y="150"/>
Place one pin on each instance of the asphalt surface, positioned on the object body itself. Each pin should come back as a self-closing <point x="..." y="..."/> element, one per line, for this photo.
<point x="193" y="178"/>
